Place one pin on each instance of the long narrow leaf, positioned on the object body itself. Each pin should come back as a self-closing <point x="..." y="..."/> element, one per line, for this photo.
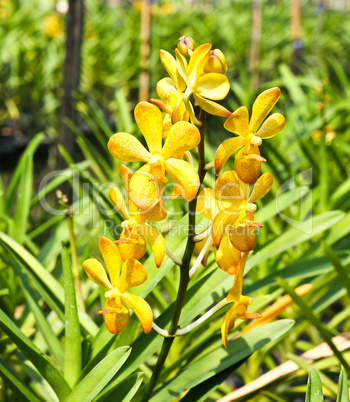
<point x="314" y="387"/>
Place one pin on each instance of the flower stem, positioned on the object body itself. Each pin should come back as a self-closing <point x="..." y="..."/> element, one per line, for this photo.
<point x="184" y="268"/>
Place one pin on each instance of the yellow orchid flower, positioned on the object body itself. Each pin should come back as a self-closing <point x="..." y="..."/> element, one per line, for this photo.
<point x="235" y="217"/>
<point x="226" y="256"/>
<point x="240" y="303"/>
<point x="116" y="314"/>
<point x="135" y="227"/>
<point x="248" y="160"/>
<point x="203" y="80"/>
<point x="147" y="183"/>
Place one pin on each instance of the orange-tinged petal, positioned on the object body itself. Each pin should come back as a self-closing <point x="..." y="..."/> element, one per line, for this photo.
<point x="242" y="236"/>
<point x="181" y="65"/>
<point x="118" y="201"/>
<point x="135" y="249"/>
<point x="261" y="187"/>
<point x="141" y="308"/>
<point x="248" y="169"/>
<point x="150" y="122"/>
<point x="199" y="247"/>
<point x="236" y="290"/>
<point x="111" y="257"/>
<point x="225" y="150"/>
<point x="144" y="191"/>
<point x="116" y="322"/>
<point x="126" y="174"/>
<point x="226" y="326"/>
<point x="96" y="273"/>
<point x="127" y="148"/>
<point x="133" y="274"/>
<point x="262" y="107"/>
<point x="227" y="188"/>
<point x="185" y="175"/>
<point x="238" y="122"/>
<point x="155" y="214"/>
<point x="157" y="242"/>
<point x="206" y="204"/>
<point x="272" y="126"/>
<point x="197" y="62"/>
<point x="222" y="219"/>
<point x="211" y="107"/>
<point x="227" y="257"/>
<point x="213" y="86"/>
<point x="183" y="136"/>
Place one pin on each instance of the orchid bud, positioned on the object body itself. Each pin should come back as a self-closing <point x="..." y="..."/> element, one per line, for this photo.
<point x="186" y="45"/>
<point x="216" y="62"/>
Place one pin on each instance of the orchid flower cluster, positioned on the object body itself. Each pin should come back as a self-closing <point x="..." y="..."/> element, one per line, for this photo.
<point x="172" y="127"/>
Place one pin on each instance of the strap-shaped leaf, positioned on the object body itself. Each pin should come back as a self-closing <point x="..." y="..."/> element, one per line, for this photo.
<point x="314" y="387"/>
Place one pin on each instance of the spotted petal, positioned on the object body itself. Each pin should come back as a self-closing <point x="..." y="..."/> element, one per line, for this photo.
<point x="150" y="122"/>
<point x="185" y="175"/>
<point x="225" y="150"/>
<point x="157" y="242"/>
<point x="227" y="188"/>
<point x="118" y="201"/>
<point x="155" y="214"/>
<point x="116" y="320"/>
<point x="213" y="86"/>
<point x="198" y="59"/>
<point x="111" y="257"/>
<point x="141" y="309"/>
<point x="183" y="136"/>
<point x="133" y="274"/>
<point x="262" y="107"/>
<point x="96" y="273"/>
<point x="127" y="148"/>
<point x="272" y="126"/>
<point x="144" y="190"/>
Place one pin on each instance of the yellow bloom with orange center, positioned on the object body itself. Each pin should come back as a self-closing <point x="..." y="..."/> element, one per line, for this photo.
<point x="250" y="136"/>
<point x="116" y="314"/>
<point x="240" y="303"/>
<point x="135" y="226"/>
<point x="147" y="183"/>
<point x="205" y="79"/>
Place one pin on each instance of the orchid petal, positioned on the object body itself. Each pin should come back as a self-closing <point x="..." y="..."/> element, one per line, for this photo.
<point x="227" y="325"/>
<point x="155" y="214"/>
<point x="157" y="242"/>
<point x="261" y="187"/>
<point x="181" y="65"/>
<point x="227" y="188"/>
<point x="238" y="122"/>
<point x="220" y="223"/>
<point x="127" y="148"/>
<point x="206" y="204"/>
<point x="211" y="107"/>
<point x="141" y="308"/>
<point x="213" y="86"/>
<point x="227" y="257"/>
<point x="198" y="59"/>
<point x="136" y="248"/>
<point x="225" y="150"/>
<point x="183" y="136"/>
<point x="166" y="88"/>
<point x="117" y="321"/>
<point x="126" y="174"/>
<point x="262" y="107"/>
<point x="144" y="191"/>
<point x="272" y="126"/>
<point x="235" y="292"/>
<point x="111" y="257"/>
<point x="133" y="274"/>
<point x="150" y="122"/>
<point x="118" y="201"/>
<point x="96" y="273"/>
<point x="185" y="175"/>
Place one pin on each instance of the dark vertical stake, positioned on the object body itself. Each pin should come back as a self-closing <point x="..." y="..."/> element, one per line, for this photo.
<point x="145" y="49"/>
<point x="255" y="44"/>
<point x="71" y="72"/>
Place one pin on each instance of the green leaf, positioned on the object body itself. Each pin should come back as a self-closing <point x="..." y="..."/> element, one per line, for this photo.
<point x="99" y="377"/>
<point x="49" y="336"/>
<point x="43" y="364"/>
<point x="47" y="281"/>
<point x="18" y="387"/>
<point x="123" y="391"/>
<point x="24" y="195"/>
<point x="220" y="359"/>
<point x="314" y="387"/>
<point x="343" y="392"/>
<point x="72" y="362"/>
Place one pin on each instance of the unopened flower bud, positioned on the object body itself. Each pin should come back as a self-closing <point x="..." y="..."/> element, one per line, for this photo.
<point x="186" y="45"/>
<point x="216" y="62"/>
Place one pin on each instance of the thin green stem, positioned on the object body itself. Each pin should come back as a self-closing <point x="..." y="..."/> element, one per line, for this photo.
<point x="184" y="268"/>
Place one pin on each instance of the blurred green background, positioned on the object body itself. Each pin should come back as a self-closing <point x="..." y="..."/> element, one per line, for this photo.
<point x="311" y="65"/>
